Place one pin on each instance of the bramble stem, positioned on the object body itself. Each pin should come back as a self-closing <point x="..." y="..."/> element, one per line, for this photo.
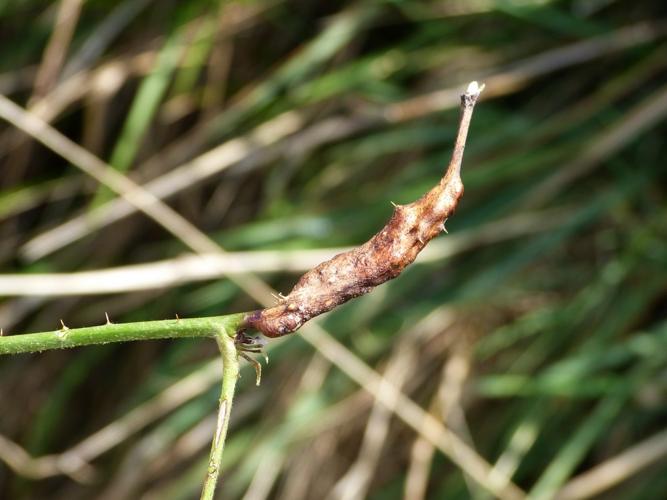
<point x="230" y="374"/>
<point x="146" y="330"/>
<point x="222" y="328"/>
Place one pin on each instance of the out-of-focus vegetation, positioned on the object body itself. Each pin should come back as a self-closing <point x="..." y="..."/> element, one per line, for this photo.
<point x="535" y="330"/>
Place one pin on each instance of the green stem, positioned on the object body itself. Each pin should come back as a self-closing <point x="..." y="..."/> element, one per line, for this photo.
<point x="230" y="374"/>
<point x="105" y="334"/>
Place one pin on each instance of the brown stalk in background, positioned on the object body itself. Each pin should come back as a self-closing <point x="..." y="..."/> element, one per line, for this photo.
<point x="383" y="257"/>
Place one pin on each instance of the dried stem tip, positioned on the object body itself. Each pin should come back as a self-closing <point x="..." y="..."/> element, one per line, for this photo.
<point x="380" y="259"/>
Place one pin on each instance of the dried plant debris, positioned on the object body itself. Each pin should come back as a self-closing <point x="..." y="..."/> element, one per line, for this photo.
<point x="383" y="257"/>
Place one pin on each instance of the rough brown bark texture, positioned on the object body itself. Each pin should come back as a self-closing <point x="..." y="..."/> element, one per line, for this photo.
<point x="383" y="257"/>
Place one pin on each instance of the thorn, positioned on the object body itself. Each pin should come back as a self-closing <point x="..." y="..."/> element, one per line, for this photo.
<point x="444" y="228"/>
<point x="62" y="333"/>
<point x="256" y="364"/>
<point x="393" y="204"/>
<point x="106" y="315"/>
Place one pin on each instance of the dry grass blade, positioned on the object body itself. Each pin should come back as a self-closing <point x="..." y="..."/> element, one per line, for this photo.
<point x="355" y="482"/>
<point x="412" y="414"/>
<point x="615" y="470"/>
<point x="188" y="174"/>
<point x="56" y="51"/>
<point x="79" y="456"/>
<point x="264" y="480"/>
<point x="330" y="130"/>
<point x="23" y="464"/>
<point x="143" y="200"/>
<point x="647" y="113"/>
<point x="192" y="268"/>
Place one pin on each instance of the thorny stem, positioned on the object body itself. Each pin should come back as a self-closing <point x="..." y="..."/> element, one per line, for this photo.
<point x="230" y="374"/>
<point x="328" y="285"/>
<point x="223" y="328"/>
<point x="383" y="257"/>
<point x="334" y="282"/>
<point x="65" y="337"/>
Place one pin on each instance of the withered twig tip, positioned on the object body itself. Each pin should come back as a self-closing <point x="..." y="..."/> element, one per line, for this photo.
<point x="383" y="257"/>
<point x="474" y="88"/>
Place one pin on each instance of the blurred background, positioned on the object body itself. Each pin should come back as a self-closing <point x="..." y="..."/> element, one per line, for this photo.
<point x="534" y="333"/>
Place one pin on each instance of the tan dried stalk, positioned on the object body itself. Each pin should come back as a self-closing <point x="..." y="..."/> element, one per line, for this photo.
<point x="383" y="257"/>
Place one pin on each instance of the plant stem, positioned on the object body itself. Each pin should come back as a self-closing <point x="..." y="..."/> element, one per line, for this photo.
<point x="394" y="247"/>
<point x="105" y="334"/>
<point x="230" y="374"/>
